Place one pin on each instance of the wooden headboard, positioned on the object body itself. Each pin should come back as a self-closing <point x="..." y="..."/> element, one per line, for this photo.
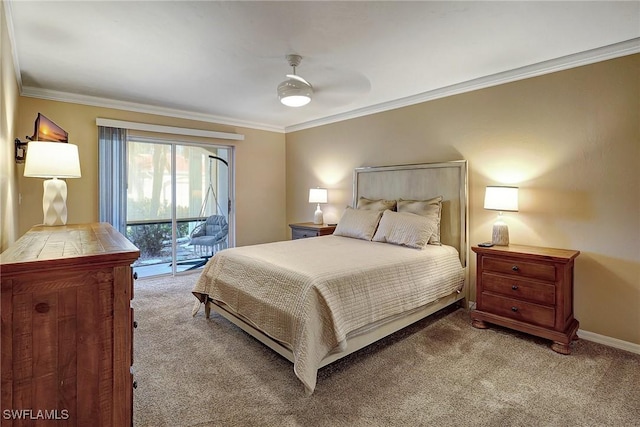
<point x="421" y="182"/>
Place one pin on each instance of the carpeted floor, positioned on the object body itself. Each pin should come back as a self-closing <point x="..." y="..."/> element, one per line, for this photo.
<point x="440" y="371"/>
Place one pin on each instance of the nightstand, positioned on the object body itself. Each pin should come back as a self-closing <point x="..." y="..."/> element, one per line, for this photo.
<point x="529" y="289"/>
<point x="303" y="230"/>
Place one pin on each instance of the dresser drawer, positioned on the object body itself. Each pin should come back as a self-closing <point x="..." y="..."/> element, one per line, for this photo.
<point x="520" y="268"/>
<point x="302" y="234"/>
<point x="513" y="287"/>
<point x="519" y="310"/>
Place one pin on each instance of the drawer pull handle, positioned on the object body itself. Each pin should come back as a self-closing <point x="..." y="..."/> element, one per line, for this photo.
<point x="515" y="268"/>
<point x="514" y="309"/>
<point x="135" y="275"/>
<point x="514" y="287"/>
<point x="42" y="307"/>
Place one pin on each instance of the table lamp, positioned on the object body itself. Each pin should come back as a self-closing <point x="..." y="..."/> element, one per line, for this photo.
<point x="53" y="160"/>
<point x="318" y="195"/>
<point x="501" y="199"/>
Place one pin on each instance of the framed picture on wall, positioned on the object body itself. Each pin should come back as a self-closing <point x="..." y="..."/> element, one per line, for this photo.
<point x="47" y="130"/>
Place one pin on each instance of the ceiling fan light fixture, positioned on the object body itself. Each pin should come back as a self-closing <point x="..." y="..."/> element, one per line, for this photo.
<point x="295" y="91"/>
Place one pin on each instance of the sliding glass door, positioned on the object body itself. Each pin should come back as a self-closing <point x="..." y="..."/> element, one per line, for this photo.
<point x="179" y="203"/>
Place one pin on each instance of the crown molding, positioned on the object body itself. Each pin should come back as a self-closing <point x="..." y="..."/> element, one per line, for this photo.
<point x="604" y="53"/>
<point x="12" y="41"/>
<point x="95" y="101"/>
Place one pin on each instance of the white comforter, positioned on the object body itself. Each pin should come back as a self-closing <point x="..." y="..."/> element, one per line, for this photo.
<point x="310" y="293"/>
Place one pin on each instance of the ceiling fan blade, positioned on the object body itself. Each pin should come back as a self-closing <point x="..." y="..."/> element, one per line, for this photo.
<point x="338" y="87"/>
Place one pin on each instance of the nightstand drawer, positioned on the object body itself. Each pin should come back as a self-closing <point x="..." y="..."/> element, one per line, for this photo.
<point x="303" y="230"/>
<point x="519" y="310"/>
<point x="302" y="234"/>
<point x="519" y="268"/>
<point x="543" y="293"/>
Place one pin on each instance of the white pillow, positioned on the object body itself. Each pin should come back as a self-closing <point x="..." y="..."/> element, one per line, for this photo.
<point x="405" y="228"/>
<point x="358" y="223"/>
<point x="376" y="204"/>
<point x="431" y="209"/>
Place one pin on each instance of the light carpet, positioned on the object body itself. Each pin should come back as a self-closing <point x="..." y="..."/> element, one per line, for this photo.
<point x="441" y="371"/>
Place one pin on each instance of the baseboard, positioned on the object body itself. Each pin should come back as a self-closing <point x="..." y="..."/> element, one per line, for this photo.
<point x="597" y="338"/>
<point x="608" y="341"/>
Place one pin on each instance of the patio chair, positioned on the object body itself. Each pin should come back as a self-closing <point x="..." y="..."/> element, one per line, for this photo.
<point x="209" y="237"/>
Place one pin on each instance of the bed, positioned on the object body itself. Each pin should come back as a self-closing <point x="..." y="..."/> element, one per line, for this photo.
<point x="317" y="300"/>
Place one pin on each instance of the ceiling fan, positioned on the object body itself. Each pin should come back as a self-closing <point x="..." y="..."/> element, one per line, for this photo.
<point x="294" y="91"/>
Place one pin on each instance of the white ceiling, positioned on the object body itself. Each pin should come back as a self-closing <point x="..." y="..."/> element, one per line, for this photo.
<point x="222" y="61"/>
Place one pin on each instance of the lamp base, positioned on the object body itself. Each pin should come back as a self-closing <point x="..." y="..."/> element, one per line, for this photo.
<point x="500" y="234"/>
<point x="317" y="216"/>
<point x="54" y="202"/>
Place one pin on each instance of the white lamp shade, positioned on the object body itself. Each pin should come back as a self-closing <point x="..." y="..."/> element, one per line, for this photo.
<point x="501" y="198"/>
<point x="52" y="160"/>
<point x="318" y="195"/>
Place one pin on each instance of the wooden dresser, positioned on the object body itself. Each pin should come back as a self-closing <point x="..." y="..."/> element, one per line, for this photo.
<point x="67" y="327"/>
<point x="529" y="289"/>
<point x="302" y="230"/>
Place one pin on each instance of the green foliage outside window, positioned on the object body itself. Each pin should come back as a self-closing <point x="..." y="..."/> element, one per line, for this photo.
<point x="152" y="239"/>
<point x="149" y="238"/>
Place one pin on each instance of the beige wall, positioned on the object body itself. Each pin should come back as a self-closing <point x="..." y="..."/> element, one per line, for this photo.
<point x="8" y="120"/>
<point x="570" y="141"/>
<point x="259" y="161"/>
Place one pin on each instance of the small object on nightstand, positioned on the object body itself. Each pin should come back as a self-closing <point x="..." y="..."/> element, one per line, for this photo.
<point x="485" y="244"/>
<point x="318" y="195"/>
<point x="529" y="289"/>
<point x="332" y="224"/>
<point x="501" y="199"/>
<point x="309" y="229"/>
